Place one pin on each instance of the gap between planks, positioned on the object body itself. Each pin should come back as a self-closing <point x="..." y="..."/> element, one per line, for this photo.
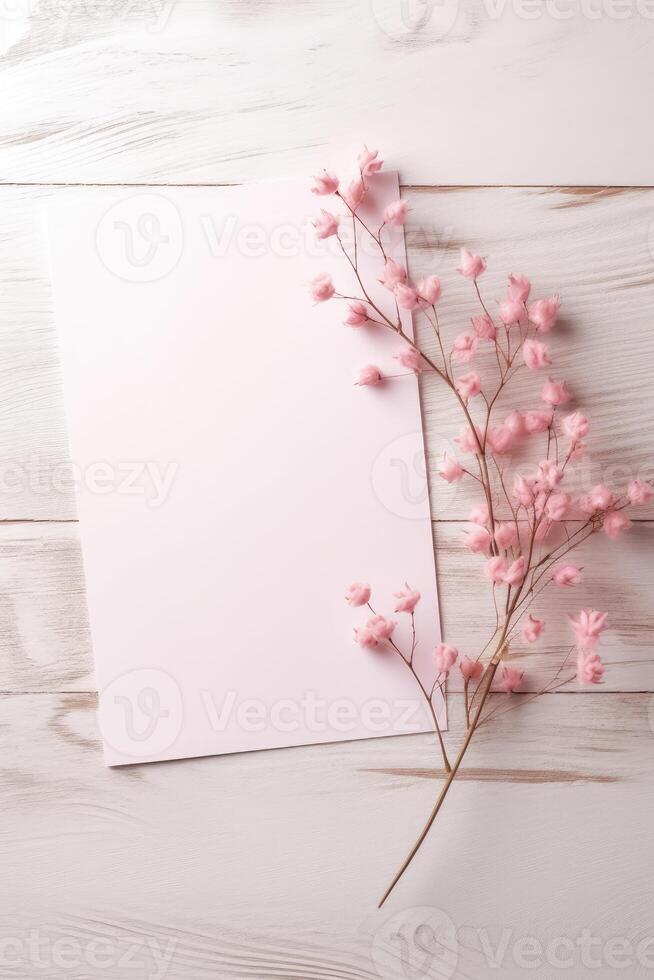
<point x="571" y="189"/>
<point x="9" y="521"/>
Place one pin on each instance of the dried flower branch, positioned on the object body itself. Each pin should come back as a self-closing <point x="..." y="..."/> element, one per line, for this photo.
<point x="519" y="562"/>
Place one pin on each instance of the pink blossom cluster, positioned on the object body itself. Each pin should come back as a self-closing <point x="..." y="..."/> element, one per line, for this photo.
<point x="538" y="502"/>
<point x="587" y="628"/>
<point x="380" y="629"/>
<point x="523" y="528"/>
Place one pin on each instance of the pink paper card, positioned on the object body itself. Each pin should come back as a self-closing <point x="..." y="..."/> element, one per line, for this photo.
<point x="231" y="479"/>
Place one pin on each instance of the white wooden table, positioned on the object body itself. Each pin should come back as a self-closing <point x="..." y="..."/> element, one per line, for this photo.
<point x="270" y="865"/>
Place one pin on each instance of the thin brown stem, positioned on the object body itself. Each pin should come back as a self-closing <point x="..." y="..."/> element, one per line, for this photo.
<point x="490" y="674"/>
<point x="430" y="704"/>
<point x="407" y="661"/>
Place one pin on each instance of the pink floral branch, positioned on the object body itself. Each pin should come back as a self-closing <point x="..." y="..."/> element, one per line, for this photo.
<point x="379" y="629"/>
<point x="517" y="557"/>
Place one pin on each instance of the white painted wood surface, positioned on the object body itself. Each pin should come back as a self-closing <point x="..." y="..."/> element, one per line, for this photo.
<point x="460" y="91"/>
<point x="269" y="865"/>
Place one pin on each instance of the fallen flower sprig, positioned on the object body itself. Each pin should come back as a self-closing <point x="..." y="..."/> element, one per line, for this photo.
<point x="520" y="558"/>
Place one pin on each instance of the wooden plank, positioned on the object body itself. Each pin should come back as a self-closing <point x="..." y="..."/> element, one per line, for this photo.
<point x="34" y="459"/>
<point x="46" y="644"/>
<point x="595" y="249"/>
<point x="43" y="621"/>
<point x="271" y="865"/>
<point x="592" y="247"/>
<point x="472" y="92"/>
<point x="616" y="579"/>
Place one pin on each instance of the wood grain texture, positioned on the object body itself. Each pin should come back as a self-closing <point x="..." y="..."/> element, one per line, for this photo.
<point x="616" y="579"/>
<point x="597" y="251"/>
<point x="34" y="457"/>
<point x="267" y="869"/>
<point x="472" y="92"/>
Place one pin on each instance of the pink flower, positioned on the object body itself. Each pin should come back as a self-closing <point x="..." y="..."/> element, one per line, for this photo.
<point x="519" y="288"/>
<point x="505" y="535"/>
<point x="537" y="421"/>
<point x="543" y="313"/>
<point x="369" y="376"/>
<point x="394" y="273"/>
<point x="445" y="658"/>
<point x="484" y="327"/>
<point x="523" y="490"/>
<point x="614" y="523"/>
<point x="510" y="311"/>
<point x="600" y="497"/>
<point x="541" y="497"/>
<point x="468" y="385"/>
<point x="535" y="354"/>
<point x="515" y="423"/>
<point x="466" y="440"/>
<point x="496" y="569"/>
<point x="471" y="265"/>
<point x="430" y="289"/>
<point x="471" y="669"/>
<point x="566" y="575"/>
<point x="322" y="287"/>
<point x="368" y="162"/>
<point x="479" y="514"/>
<point x="407" y="298"/>
<point x="325" y="183"/>
<point x="588" y="627"/>
<point x="450" y="469"/>
<point x="639" y="492"/>
<point x="500" y="438"/>
<point x="478" y="539"/>
<point x="516" y="571"/>
<point x="577" y="450"/>
<point x="465" y="346"/>
<point x="584" y="504"/>
<point x="575" y="426"/>
<point x="357" y="594"/>
<point x="357" y="316"/>
<point x="555" y="393"/>
<point x="532" y="629"/>
<point x="410" y="358"/>
<point x="355" y="194"/>
<point x="395" y="213"/>
<point x="551" y="474"/>
<point x="557" y="506"/>
<point x="511" y="678"/>
<point x="381" y="628"/>
<point x="591" y="669"/>
<point x="407" y="598"/>
<point x="326" y="224"/>
<point x="365" y="637"/>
